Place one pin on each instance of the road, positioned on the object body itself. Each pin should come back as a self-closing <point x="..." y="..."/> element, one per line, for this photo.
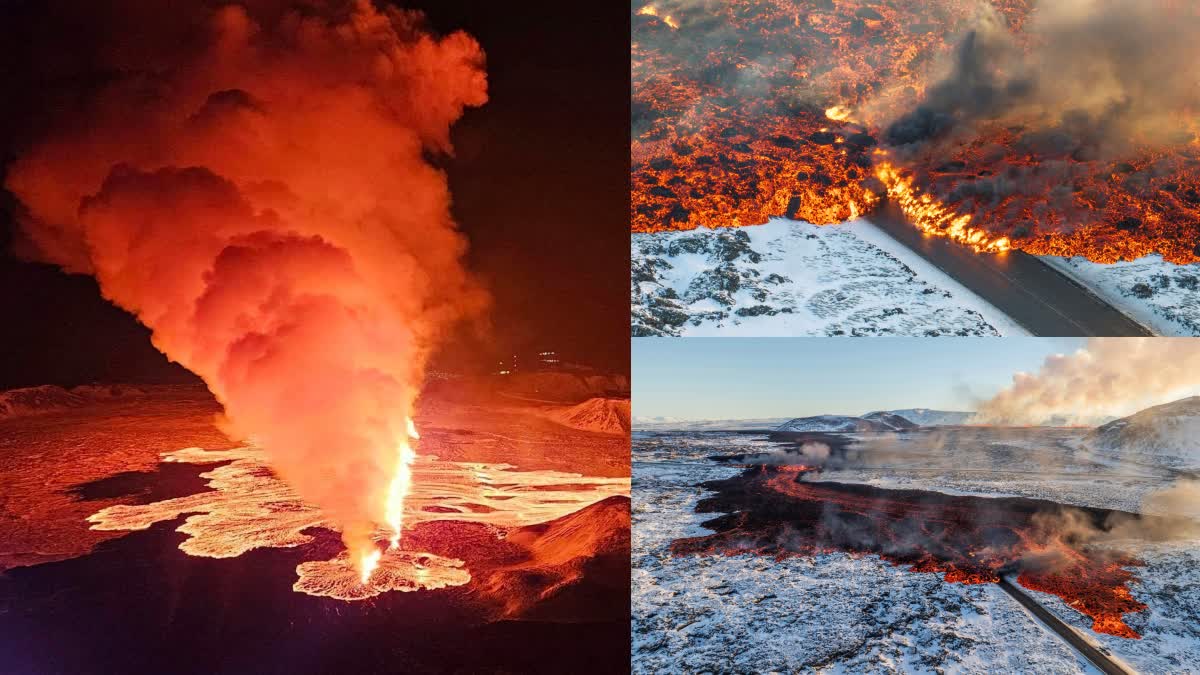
<point x="1036" y="296"/>
<point x="1094" y="656"/>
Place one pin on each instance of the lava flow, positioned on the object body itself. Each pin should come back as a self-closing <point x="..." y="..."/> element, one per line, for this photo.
<point x="773" y="511"/>
<point x="249" y="507"/>
<point x="974" y="117"/>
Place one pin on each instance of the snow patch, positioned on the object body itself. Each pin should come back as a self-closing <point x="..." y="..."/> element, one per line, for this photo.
<point x="794" y="278"/>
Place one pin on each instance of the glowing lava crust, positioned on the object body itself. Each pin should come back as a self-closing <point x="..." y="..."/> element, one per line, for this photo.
<point x="749" y="109"/>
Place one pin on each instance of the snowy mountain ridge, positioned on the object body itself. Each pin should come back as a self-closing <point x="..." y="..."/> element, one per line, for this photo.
<point x="1166" y="435"/>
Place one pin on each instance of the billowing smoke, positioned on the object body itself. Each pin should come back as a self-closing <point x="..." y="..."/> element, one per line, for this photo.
<point x="256" y="190"/>
<point x="1091" y="76"/>
<point x="810" y="453"/>
<point x="1109" y="377"/>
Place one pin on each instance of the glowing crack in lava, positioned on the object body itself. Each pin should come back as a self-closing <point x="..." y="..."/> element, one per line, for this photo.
<point x="250" y="508"/>
<point x="773" y="511"/>
<point x="1008" y="124"/>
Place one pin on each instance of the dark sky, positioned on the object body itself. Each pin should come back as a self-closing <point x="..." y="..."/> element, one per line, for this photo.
<point x="539" y="182"/>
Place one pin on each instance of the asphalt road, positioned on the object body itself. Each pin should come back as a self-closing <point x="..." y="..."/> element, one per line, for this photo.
<point x="1094" y="656"/>
<point x="1031" y="293"/>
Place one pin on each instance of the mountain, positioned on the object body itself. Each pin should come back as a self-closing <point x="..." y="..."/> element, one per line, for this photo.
<point x="52" y="398"/>
<point x="891" y="419"/>
<point x="929" y="418"/>
<point x="1165" y="435"/>
<point x="601" y="415"/>
<point x="846" y="424"/>
<point x="676" y="424"/>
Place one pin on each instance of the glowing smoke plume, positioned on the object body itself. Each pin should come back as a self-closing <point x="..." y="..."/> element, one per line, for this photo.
<point x="1108" y="377"/>
<point x="258" y="195"/>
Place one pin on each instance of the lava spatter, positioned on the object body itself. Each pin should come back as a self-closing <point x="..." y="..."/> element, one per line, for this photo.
<point x="393" y="570"/>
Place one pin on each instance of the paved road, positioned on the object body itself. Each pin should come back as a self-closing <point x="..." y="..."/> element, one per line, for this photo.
<point x="1036" y="296"/>
<point x="1094" y="656"/>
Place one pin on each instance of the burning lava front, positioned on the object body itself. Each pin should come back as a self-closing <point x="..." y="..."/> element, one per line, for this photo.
<point x="772" y="510"/>
<point x="819" y="110"/>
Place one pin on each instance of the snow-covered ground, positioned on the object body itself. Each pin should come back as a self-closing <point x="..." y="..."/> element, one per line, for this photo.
<point x="830" y="613"/>
<point x="840" y="614"/>
<point x="1160" y="295"/>
<point x="793" y="278"/>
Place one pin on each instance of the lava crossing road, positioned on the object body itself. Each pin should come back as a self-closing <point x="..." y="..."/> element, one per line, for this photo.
<point x="1030" y="292"/>
<point x="1094" y="656"/>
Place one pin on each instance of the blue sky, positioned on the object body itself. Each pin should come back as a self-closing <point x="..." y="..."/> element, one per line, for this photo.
<point x="739" y="378"/>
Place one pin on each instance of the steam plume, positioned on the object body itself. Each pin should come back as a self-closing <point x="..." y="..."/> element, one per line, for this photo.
<point x="1108" y="377"/>
<point x="256" y="191"/>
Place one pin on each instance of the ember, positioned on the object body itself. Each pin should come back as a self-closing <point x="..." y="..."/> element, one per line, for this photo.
<point x="773" y="511"/>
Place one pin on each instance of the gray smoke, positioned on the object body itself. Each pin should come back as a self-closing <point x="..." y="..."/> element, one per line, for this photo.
<point x="1088" y="76"/>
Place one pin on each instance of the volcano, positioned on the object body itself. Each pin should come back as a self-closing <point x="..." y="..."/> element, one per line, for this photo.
<point x="132" y="553"/>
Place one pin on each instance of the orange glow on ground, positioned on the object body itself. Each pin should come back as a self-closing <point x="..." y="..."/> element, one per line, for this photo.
<point x="250" y="508"/>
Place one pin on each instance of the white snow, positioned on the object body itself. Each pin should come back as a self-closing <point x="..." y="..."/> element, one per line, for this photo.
<point x="795" y="278"/>
<point x="1162" y="296"/>
<point x="841" y="614"/>
<point x="1164" y="435"/>
<point x="931" y="418"/>
<point x="829" y="613"/>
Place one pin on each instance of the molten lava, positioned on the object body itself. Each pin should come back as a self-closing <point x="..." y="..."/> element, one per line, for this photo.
<point x="748" y="109"/>
<point x="773" y="511"/>
<point x="249" y="507"/>
<point x="934" y="218"/>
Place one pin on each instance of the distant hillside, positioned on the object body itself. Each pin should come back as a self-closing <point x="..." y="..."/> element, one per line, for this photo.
<point x="879" y="421"/>
<point x="601" y="415"/>
<point x="1165" y="435"/>
<point x="930" y="418"/>
<point x="676" y="424"/>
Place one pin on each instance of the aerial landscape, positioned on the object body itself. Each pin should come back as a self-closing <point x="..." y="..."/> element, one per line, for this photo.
<point x="296" y="378"/>
<point x="944" y="167"/>
<point x="1047" y="523"/>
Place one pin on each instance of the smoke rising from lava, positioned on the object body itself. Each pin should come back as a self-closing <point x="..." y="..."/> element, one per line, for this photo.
<point x="1082" y="72"/>
<point x="256" y="190"/>
<point x="1108" y="377"/>
<point x="1062" y="128"/>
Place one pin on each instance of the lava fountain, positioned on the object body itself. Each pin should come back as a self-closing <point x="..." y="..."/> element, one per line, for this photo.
<point x="264" y="202"/>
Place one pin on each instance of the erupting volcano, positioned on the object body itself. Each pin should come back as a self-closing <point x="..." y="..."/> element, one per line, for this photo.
<point x="1051" y="128"/>
<point x="264" y="202"/>
<point x="773" y="511"/>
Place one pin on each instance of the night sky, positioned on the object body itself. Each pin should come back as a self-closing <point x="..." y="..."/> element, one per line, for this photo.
<point x="539" y="182"/>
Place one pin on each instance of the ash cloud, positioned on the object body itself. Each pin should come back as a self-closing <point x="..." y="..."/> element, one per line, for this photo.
<point x="251" y="180"/>
<point x="1088" y="77"/>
